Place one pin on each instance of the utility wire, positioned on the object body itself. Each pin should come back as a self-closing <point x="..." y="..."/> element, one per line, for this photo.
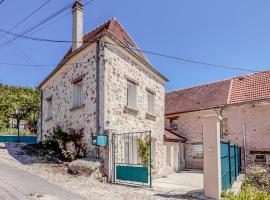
<point x="2" y="1"/>
<point x="28" y="16"/>
<point x="144" y="51"/>
<point x="39" y="24"/>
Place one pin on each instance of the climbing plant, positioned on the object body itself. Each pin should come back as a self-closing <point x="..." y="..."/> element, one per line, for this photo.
<point x="144" y="150"/>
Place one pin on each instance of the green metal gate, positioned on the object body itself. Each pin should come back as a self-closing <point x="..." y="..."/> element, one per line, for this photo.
<point x="230" y="163"/>
<point x="132" y="158"/>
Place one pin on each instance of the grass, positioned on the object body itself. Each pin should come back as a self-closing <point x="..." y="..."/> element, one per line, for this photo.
<point x="14" y="131"/>
<point x="255" y="187"/>
<point x="248" y="193"/>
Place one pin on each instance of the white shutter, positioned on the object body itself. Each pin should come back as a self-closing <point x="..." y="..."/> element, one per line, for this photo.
<point x="131" y="94"/>
<point x="151" y="103"/>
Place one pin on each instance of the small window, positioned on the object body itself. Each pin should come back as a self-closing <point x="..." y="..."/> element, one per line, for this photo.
<point x="198" y="151"/>
<point x="260" y="158"/>
<point x="151" y="102"/>
<point x="173" y="124"/>
<point x="49" y="108"/>
<point x="131" y="94"/>
<point x="78" y="94"/>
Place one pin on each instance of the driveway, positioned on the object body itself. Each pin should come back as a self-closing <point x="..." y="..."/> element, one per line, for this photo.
<point x="180" y="185"/>
<point x="17" y="184"/>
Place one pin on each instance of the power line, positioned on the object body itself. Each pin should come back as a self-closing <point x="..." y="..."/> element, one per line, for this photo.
<point x="144" y="51"/>
<point x="2" y="1"/>
<point x="39" y="24"/>
<point x="28" y="16"/>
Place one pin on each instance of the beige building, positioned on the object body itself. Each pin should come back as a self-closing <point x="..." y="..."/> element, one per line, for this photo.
<point x="105" y="84"/>
<point x="244" y="104"/>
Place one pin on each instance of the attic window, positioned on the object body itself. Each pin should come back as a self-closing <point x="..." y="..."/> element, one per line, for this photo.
<point x="130" y="46"/>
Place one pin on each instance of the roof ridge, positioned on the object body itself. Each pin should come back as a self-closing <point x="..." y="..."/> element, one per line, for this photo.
<point x="136" y="46"/>
<point x="199" y="85"/>
<point x="97" y="27"/>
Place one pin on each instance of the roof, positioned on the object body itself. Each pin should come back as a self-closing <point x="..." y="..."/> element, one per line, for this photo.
<point x="250" y="88"/>
<point x="114" y="28"/>
<point x="195" y="98"/>
<point x="238" y="90"/>
<point x="171" y="136"/>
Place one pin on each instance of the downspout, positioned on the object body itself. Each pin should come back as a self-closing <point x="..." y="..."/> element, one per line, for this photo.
<point x="97" y="91"/>
<point x="41" y="115"/>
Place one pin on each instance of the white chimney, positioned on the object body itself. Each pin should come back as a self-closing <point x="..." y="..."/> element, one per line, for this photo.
<point x="77" y="26"/>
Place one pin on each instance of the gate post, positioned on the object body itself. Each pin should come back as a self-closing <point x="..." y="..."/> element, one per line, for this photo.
<point x="212" y="156"/>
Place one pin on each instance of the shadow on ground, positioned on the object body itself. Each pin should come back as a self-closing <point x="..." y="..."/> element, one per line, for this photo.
<point x="194" y="194"/>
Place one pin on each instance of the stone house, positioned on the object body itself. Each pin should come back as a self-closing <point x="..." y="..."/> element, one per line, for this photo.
<point x="242" y="102"/>
<point x="104" y="84"/>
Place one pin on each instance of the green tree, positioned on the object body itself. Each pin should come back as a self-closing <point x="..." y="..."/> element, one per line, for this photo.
<point x="19" y="103"/>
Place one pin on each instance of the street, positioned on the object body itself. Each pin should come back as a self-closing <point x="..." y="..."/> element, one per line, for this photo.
<point x="18" y="184"/>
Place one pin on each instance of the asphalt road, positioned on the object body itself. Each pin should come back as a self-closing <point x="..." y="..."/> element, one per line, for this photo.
<point x="17" y="184"/>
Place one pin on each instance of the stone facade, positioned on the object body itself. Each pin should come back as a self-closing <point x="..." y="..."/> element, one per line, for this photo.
<point x="116" y="66"/>
<point x="255" y="117"/>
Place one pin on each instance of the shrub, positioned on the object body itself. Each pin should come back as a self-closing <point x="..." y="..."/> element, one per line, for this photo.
<point x="51" y="144"/>
<point x="67" y="155"/>
<point x="248" y="193"/>
<point x="257" y="176"/>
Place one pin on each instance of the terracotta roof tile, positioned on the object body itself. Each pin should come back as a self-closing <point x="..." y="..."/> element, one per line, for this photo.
<point x="250" y="88"/>
<point x="200" y="97"/>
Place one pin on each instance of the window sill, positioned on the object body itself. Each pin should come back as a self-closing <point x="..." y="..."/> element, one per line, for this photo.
<point x="131" y="110"/>
<point x="76" y="107"/>
<point x="150" y="116"/>
<point x="48" y="119"/>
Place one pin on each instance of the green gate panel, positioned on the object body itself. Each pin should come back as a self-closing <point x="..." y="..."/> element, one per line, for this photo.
<point x="132" y="173"/>
<point x="20" y="139"/>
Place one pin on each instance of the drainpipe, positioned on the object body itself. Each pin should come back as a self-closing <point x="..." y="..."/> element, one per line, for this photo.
<point x="41" y="115"/>
<point x="97" y="91"/>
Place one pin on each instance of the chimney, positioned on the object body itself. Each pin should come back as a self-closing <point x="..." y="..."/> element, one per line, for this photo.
<point x="77" y="25"/>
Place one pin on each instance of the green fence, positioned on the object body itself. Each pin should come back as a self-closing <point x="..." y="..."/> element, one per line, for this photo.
<point x="230" y="163"/>
<point x="18" y="139"/>
<point x="132" y="158"/>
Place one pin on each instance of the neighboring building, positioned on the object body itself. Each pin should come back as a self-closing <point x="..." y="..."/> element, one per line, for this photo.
<point x="103" y="82"/>
<point x="244" y="104"/>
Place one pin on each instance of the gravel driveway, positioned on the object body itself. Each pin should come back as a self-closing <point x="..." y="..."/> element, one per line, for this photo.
<point x="84" y="187"/>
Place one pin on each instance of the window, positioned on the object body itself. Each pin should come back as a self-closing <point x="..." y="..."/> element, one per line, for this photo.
<point x="260" y="158"/>
<point x="173" y="124"/>
<point x="151" y="102"/>
<point x="49" y="108"/>
<point x="198" y="151"/>
<point x="131" y="94"/>
<point x="78" y="94"/>
<point x="131" y="150"/>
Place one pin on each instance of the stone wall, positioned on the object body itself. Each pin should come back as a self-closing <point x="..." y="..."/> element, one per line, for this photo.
<point x="118" y="66"/>
<point x="254" y="116"/>
<point x="115" y="65"/>
<point x="60" y="89"/>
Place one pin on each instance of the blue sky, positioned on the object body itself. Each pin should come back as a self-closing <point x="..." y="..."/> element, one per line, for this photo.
<point x="233" y="33"/>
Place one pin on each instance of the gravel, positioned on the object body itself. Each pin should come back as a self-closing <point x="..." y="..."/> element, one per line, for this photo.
<point x="87" y="187"/>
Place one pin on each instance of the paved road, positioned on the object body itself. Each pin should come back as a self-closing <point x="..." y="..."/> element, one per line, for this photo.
<point x="17" y="184"/>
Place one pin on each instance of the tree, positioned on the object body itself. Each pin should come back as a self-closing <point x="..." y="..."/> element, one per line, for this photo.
<point x="19" y="103"/>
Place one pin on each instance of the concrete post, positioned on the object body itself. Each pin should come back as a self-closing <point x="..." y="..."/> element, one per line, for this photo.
<point x="212" y="160"/>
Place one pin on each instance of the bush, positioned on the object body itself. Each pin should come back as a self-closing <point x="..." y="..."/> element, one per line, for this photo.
<point x="51" y="144"/>
<point x="67" y="155"/>
<point x="257" y="177"/>
<point x="248" y="193"/>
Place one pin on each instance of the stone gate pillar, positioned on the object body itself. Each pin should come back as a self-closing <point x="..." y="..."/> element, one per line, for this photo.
<point x="211" y="160"/>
